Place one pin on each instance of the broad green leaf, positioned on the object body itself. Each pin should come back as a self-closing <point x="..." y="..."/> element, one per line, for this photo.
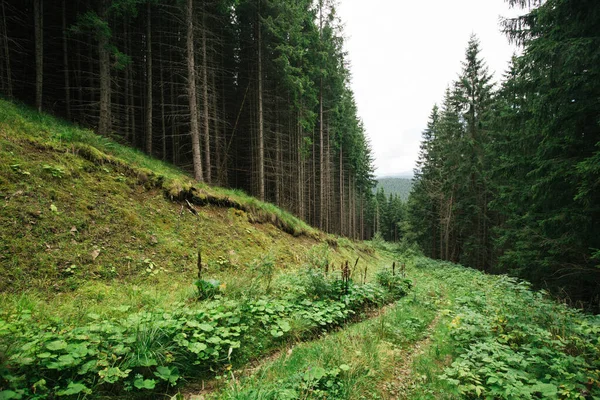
<point x="167" y="374"/>
<point x="9" y="395"/>
<point x="197" y="347"/>
<point x="147" y="384"/>
<point x="314" y="374"/>
<point x="73" y="388"/>
<point x="56" y="345"/>
<point x="206" y="327"/>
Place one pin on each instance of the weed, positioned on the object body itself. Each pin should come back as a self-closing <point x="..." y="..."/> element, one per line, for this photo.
<point x="55" y="171"/>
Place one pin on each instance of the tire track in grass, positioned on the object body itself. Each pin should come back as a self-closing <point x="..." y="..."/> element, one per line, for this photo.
<point x="372" y="350"/>
<point x="206" y="389"/>
<point x="404" y="380"/>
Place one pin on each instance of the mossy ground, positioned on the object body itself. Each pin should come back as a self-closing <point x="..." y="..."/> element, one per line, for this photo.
<point x="88" y="225"/>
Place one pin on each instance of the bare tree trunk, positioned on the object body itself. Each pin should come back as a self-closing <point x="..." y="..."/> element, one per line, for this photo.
<point x="278" y="164"/>
<point x="195" y="132"/>
<point x="9" y="88"/>
<point x="66" y="61"/>
<point x="299" y="187"/>
<point x="207" y="165"/>
<point x="342" y="232"/>
<point x="216" y="128"/>
<point x="148" y="78"/>
<point x="104" y="124"/>
<point x="131" y="102"/>
<point x="261" y="140"/>
<point x="162" y="101"/>
<point x="38" y="15"/>
<point x="173" y="108"/>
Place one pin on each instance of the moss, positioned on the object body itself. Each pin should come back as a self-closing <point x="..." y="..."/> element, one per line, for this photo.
<point x="114" y="212"/>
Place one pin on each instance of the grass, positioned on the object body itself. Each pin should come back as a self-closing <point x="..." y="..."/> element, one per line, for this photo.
<point x="95" y="235"/>
<point x="360" y="360"/>
<point x="82" y="213"/>
<point x="460" y="334"/>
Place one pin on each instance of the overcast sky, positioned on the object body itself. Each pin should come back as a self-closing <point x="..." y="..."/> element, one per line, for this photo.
<point x="403" y="54"/>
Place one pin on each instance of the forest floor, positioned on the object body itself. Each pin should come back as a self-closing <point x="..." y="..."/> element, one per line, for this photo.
<point x="99" y="259"/>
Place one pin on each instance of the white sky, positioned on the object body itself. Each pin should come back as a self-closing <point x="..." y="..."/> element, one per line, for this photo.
<point x="403" y="54"/>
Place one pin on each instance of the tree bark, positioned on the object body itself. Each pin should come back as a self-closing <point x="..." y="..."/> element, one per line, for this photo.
<point x="39" y="52"/>
<point x="66" y="61"/>
<point x="261" y="139"/>
<point x="205" y="102"/>
<point x="321" y="155"/>
<point x="191" y="67"/>
<point x="9" y="87"/>
<point x="148" y="78"/>
<point x="341" y="190"/>
<point x="104" y="123"/>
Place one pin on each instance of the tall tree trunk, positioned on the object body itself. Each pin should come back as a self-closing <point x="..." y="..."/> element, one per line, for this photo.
<point x="206" y="121"/>
<point x="342" y="232"/>
<point x="278" y="164"/>
<point x="66" y="61"/>
<point x="191" y="66"/>
<point x="261" y="139"/>
<point x="148" y="78"/>
<point x="104" y="123"/>
<point x="163" y="116"/>
<point x="131" y="102"/>
<point x="298" y="150"/>
<point x="6" y="49"/>
<point x="38" y="14"/>
<point x="216" y="128"/>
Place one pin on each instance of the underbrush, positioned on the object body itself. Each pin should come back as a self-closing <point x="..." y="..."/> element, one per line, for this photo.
<point x="149" y="352"/>
<point x="509" y="342"/>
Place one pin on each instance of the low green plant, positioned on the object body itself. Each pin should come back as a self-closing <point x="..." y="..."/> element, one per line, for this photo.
<point x="150" y="351"/>
<point x="510" y="342"/>
<point x="394" y="282"/>
<point x="265" y="268"/>
<point x="207" y="289"/>
<point x="55" y="171"/>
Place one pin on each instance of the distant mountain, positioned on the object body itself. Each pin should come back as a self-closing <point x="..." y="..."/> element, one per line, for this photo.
<point x="404" y="175"/>
<point x="395" y="185"/>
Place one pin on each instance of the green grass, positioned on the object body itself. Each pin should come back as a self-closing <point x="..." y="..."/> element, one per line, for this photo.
<point x="359" y="361"/>
<point x="79" y="210"/>
<point x="492" y="337"/>
<point x="95" y="236"/>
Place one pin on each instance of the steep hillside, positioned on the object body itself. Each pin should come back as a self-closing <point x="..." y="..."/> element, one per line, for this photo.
<point x="395" y="186"/>
<point x="83" y="208"/>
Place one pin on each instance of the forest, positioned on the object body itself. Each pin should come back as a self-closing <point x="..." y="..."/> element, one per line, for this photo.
<point x="250" y="94"/>
<point x="508" y="179"/>
<point x="188" y="210"/>
<point x="255" y="95"/>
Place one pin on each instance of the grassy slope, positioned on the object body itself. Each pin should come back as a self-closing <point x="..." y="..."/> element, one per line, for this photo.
<point x="87" y="224"/>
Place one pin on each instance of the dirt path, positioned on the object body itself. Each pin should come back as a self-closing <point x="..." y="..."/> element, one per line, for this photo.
<point x="404" y="382"/>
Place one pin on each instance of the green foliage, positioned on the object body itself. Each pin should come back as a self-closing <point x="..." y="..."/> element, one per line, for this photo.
<point x="512" y="343"/>
<point x="395" y="283"/>
<point x="207" y="289"/>
<point x="55" y="171"/>
<point x="151" y="351"/>
<point x="508" y="179"/>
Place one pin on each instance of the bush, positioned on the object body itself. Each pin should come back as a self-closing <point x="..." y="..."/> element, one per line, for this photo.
<point x="395" y="284"/>
<point x="207" y="289"/>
